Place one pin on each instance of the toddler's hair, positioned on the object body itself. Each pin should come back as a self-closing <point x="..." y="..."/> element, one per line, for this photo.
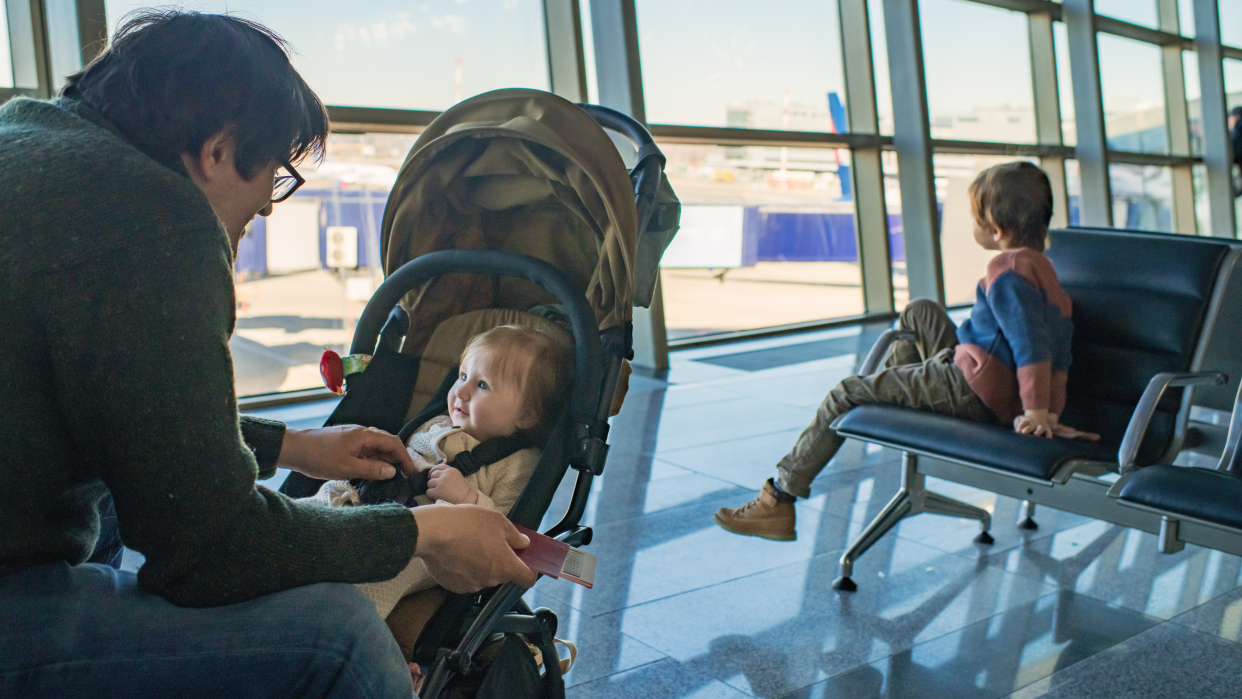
<point x="538" y="365"/>
<point x="1016" y="198"/>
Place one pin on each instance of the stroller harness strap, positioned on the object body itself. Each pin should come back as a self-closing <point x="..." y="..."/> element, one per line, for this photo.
<point x="403" y="489"/>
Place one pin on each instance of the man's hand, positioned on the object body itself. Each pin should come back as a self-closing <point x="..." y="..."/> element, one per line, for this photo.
<point x="447" y="484"/>
<point x="1034" y="422"/>
<point x="467" y="547"/>
<point x="343" y="452"/>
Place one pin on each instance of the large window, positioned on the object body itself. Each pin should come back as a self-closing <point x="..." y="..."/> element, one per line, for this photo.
<point x="305" y="273"/>
<point x="386" y="53"/>
<point x="767" y="238"/>
<point x="1230" y="22"/>
<point x="1136" y="11"/>
<point x="6" y="53"/>
<point x="1130" y="75"/>
<point x="972" y="99"/>
<point x="750" y="104"/>
<point x="723" y="63"/>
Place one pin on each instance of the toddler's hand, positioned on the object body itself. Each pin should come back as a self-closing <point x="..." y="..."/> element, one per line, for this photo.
<point x="1067" y="432"/>
<point x="446" y="483"/>
<point x="1034" y="422"/>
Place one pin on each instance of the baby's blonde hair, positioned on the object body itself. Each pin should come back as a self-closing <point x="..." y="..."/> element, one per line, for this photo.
<point x="536" y="364"/>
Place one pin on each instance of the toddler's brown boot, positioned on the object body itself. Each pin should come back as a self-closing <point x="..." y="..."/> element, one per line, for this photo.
<point x="763" y="517"/>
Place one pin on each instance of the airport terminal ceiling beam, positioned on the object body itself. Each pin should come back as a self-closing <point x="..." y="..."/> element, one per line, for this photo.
<point x="1048" y="110"/>
<point x="920" y="217"/>
<point x="1217" y="148"/>
<point x="1177" y="121"/>
<point x="870" y="210"/>
<point x="618" y="71"/>
<point x="566" y="63"/>
<point x="1096" y="203"/>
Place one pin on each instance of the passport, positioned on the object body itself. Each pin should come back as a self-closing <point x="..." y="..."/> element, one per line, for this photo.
<point x="557" y="559"/>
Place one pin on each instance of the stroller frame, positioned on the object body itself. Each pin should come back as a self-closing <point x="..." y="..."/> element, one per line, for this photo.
<point x="579" y="438"/>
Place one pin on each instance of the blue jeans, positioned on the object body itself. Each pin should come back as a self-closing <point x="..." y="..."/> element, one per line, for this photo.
<point x="90" y="631"/>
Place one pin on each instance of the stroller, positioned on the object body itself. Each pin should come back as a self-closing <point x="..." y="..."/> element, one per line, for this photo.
<point x="510" y="201"/>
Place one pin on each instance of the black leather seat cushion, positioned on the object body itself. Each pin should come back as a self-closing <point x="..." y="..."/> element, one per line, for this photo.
<point x="961" y="440"/>
<point x="1215" y="496"/>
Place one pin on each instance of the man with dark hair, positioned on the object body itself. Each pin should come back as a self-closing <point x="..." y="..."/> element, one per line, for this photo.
<point x="124" y="202"/>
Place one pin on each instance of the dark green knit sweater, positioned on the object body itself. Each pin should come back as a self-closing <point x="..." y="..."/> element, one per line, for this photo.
<point x="115" y="373"/>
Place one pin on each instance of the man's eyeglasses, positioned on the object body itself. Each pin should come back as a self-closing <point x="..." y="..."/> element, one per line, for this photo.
<point x="287" y="182"/>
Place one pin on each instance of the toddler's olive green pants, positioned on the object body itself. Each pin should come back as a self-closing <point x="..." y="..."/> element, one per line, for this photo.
<point x="918" y="374"/>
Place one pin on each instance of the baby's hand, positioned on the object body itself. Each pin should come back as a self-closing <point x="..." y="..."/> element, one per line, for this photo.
<point x="1034" y="422"/>
<point x="446" y="483"/>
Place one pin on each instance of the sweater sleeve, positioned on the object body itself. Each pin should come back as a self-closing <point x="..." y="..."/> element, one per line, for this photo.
<point x="263" y="437"/>
<point x="1021" y="312"/>
<point x="138" y="343"/>
<point x="503" y="482"/>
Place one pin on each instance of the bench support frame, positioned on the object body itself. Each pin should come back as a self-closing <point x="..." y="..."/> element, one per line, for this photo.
<point x="912" y="499"/>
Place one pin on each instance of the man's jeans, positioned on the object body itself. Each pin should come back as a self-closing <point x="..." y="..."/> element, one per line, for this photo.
<point x="90" y="631"/>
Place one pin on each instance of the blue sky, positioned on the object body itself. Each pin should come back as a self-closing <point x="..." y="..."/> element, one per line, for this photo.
<point x="386" y="53"/>
<point x="698" y="56"/>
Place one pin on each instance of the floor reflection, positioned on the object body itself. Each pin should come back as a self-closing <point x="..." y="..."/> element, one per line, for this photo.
<point x="684" y="609"/>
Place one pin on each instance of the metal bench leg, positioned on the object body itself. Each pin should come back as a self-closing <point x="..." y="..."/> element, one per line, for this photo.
<point x="937" y="504"/>
<point x="1028" y="515"/>
<point x="912" y="499"/>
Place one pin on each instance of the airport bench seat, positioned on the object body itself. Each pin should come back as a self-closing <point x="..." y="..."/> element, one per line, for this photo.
<point x="1146" y="309"/>
<point x="953" y="439"/>
<point x="1201" y="493"/>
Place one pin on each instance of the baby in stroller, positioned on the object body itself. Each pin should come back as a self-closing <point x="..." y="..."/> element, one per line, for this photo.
<point x="510" y="379"/>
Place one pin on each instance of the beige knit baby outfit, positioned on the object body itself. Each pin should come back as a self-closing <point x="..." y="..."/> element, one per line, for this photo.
<point x="437" y="441"/>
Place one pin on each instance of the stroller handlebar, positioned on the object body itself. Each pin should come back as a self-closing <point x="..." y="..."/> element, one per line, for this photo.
<point x="588" y="351"/>
<point x="620" y="122"/>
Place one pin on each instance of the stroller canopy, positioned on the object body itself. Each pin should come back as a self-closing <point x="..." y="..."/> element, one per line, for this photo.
<point x="519" y="171"/>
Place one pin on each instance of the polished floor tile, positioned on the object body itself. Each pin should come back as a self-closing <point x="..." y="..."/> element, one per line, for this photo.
<point x="993" y="657"/>
<point x="1167" y="661"/>
<point x="697" y="425"/>
<point x="1123" y="567"/>
<point x="666" y="678"/>
<point x="861" y="495"/>
<point x="1221" y="616"/>
<point x="675" y="551"/>
<point x="682" y="608"/>
<point x="602" y="649"/>
<point x="778" y="631"/>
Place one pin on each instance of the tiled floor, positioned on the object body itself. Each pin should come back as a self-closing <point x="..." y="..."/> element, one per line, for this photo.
<point x="681" y="608"/>
<point x="1077" y="609"/>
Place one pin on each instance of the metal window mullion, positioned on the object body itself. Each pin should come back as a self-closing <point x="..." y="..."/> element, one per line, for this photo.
<point x="92" y="28"/>
<point x="920" y="216"/>
<point x="870" y="214"/>
<point x="1177" y="121"/>
<point x="1217" y="148"/>
<point x="614" y="29"/>
<point x="27" y="20"/>
<point x="562" y="21"/>
<point x="1048" y="110"/>
<point x="1095" y="204"/>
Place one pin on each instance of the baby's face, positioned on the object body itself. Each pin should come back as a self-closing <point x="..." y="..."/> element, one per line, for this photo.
<point x="482" y="405"/>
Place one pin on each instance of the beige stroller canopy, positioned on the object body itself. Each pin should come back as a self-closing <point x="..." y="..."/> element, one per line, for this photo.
<point x="519" y="171"/>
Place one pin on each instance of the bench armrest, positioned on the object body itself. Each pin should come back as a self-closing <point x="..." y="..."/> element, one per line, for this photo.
<point x="1146" y="409"/>
<point x="880" y="348"/>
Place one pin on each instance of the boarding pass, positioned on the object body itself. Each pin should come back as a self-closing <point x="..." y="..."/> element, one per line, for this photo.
<point x="557" y="559"/>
